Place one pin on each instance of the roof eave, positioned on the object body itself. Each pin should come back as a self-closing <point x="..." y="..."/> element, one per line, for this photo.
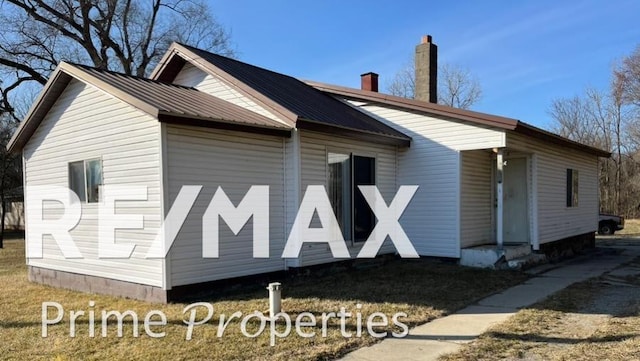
<point x="535" y="132"/>
<point x="18" y="141"/>
<point x="416" y="105"/>
<point x="507" y="124"/>
<point x="402" y="141"/>
<point x="160" y="67"/>
<point x="171" y="118"/>
<point x="61" y="76"/>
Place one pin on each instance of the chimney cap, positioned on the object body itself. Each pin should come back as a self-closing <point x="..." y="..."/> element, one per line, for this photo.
<point x="370" y="73"/>
<point x="426" y="39"/>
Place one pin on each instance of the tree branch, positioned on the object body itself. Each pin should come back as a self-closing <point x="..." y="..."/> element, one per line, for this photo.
<point x="25" y="68"/>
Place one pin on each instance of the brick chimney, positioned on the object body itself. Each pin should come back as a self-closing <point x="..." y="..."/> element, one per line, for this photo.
<point x="369" y="81"/>
<point x="427" y="70"/>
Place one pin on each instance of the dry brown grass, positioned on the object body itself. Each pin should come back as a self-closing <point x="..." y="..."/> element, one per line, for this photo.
<point x="423" y="289"/>
<point x="631" y="228"/>
<point x="593" y="320"/>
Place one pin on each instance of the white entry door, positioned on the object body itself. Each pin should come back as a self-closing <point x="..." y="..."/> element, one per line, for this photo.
<point x="516" y="205"/>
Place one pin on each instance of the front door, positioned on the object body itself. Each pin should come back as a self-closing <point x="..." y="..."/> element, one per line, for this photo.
<point x="516" y="206"/>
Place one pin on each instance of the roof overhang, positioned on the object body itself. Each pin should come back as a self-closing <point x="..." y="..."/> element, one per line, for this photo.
<point x="353" y="134"/>
<point x="57" y="82"/>
<point x="65" y="72"/>
<point x="420" y="106"/>
<point x="535" y="132"/>
<point x="477" y="118"/>
<point x="224" y="125"/>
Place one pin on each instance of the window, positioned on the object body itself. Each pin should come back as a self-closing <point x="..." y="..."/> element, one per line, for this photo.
<point x="346" y="173"/>
<point x="340" y="190"/>
<point x="85" y="179"/>
<point x="76" y="179"/>
<point x="572" y="188"/>
<point x="363" y="218"/>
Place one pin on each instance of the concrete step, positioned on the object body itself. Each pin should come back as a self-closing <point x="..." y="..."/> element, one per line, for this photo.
<point x="528" y="261"/>
<point x="488" y="256"/>
<point x="516" y="251"/>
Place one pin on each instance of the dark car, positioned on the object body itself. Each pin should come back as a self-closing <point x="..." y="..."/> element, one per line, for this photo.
<point x="608" y="224"/>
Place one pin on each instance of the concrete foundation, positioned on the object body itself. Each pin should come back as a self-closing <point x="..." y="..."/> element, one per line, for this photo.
<point x="520" y="255"/>
<point x="101" y="285"/>
<point x="488" y="256"/>
<point x="513" y="256"/>
<point x="568" y="247"/>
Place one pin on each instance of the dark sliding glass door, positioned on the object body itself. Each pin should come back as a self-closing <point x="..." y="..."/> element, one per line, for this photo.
<point x="364" y="173"/>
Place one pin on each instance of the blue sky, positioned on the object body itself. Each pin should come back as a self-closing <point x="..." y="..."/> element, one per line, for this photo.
<point x="525" y="53"/>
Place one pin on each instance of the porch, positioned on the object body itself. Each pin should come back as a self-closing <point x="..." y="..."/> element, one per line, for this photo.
<point x="498" y="215"/>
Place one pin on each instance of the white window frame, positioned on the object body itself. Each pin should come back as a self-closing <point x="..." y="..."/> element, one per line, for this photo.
<point x="354" y="189"/>
<point x="84" y="177"/>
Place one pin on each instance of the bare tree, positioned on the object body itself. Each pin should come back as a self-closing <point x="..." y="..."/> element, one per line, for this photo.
<point x="583" y="118"/>
<point x="403" y="83"/>
<point x="123" y="35"/>
<point x="602" y="120"/>
<point x="626" y="94"/>
<point x="457" y="86"/>
<point x="128" y="36"/>
<point x="627" y="79"/>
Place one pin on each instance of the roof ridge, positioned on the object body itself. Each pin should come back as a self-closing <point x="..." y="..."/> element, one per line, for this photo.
<point x="192" y="48"/>
<point x="289" y="94"/>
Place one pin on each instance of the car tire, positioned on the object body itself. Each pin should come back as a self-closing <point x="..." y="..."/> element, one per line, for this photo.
<point x="606" y="229"/>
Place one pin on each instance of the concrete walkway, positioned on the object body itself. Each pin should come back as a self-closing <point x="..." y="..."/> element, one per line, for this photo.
<point x="448" y="334"/>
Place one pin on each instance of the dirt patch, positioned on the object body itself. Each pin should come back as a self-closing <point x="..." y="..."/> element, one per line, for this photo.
<point x="594" y="320"/>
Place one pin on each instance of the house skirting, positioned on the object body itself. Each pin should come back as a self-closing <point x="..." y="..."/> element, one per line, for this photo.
<point x="101" y="285"/>
<point x="569" y="246"/>
<point x="111" y="287"/>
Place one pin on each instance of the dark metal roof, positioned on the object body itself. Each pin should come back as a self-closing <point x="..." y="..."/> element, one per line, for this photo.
<point x="178" y="101"/>
<point x="309" y="104"/>
<point x="167" y="102"/>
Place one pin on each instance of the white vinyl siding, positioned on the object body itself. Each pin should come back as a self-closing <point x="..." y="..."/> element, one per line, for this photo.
<point x="85" y="123"/>
<point x="314" y="148"/>
<point x="192" y="76"/>
<point x="476" y="198"/>
<point x="555" y="220"/>
<point x="432" y="220"/>
<point x="234" y="161"/>
<point x="292" y="185"/>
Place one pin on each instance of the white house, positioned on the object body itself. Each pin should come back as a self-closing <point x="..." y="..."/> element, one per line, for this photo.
<point x="204" y="119"/>
<point x="14" y="219"/>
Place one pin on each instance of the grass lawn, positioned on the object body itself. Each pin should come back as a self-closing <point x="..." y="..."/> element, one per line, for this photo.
<point x="598" y="319"/>
<point x="631" y="228"/>
<point x="423" y="289"/>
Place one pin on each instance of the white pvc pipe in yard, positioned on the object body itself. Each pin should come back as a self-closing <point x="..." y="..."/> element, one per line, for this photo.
<point x="275" y="294"/>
